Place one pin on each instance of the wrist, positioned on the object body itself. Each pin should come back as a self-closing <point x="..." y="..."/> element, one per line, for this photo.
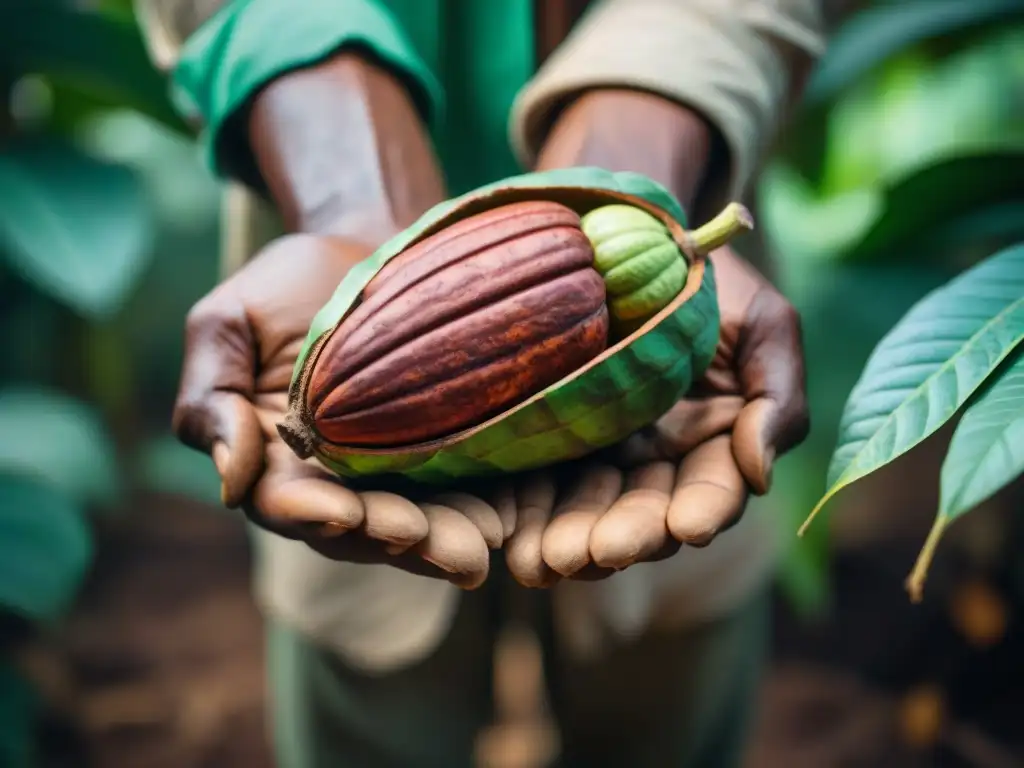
<point x="629" y="130"/>
<point x="341" y="149"/>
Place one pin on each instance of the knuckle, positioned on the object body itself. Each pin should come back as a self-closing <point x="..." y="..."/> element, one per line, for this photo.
<point x="211" y="316"/>
<point x="788" y="314"/>
<point x="201" y="314"/>
<point x="186" y="420"/>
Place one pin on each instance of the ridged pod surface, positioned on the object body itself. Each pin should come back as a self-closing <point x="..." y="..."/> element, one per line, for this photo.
<point x="468" y="322"/>
<point x="624" y="388"/>
<point x="642" y="266"/>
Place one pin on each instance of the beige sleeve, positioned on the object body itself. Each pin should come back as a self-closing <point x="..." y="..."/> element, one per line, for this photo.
<point x="167" y="24"/>
<point x="735" y="61"/>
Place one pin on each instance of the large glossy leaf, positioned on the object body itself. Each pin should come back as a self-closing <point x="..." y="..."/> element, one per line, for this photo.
<point x="927" y="367"/>
<point x="45" y="548"/>
<point x="985" y="454"/>
<point x="60" y="442"/>
<point x="876" y="33"/>
<point x="101" y="54"/>
<point x="78" y="228"/>
<point x="846" y="310"/>
<point x="18" y="706"/>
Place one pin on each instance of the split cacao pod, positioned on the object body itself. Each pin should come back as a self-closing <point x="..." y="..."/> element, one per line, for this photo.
<point x="477" y="341"/>
<point x="464" y="324"/>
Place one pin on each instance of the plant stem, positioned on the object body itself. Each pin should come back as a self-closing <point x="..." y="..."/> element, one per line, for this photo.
<point x="732" y="221"/>
<point x="915" y="581"/>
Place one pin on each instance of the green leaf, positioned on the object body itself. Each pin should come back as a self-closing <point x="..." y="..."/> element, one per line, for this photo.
<point x="927" y="367"/>
<point x="19" y="703"/>
<point x="925" y="140"/>
<point x="985" y="454"/>
<point x="800" y="223"/>
<point x="877" y="33"/>
<point x="45" y="548"/>
<point x="987" y="449"/>
<point x="101" y="54"/>
<point x="59" y="441"/>
<point x="940" y="193"/>
<point x="167" y="466"/>
<point x="77" y="228"/>
<point x="846" y="310"/>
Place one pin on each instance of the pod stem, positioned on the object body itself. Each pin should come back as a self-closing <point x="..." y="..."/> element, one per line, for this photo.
<point x="732" y="221"/>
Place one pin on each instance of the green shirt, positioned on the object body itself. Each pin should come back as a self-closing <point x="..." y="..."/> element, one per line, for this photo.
<point x="464" y="62"/>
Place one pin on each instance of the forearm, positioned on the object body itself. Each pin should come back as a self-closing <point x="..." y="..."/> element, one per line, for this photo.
<point x="630" y="130"/>
<point x="735" y="63"/>
<point x="342" y="149"/>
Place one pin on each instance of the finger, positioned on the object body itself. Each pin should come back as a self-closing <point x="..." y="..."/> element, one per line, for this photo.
<point x="213" y="410"/>
<point x="357" y="548"/>
<point x="535" y="498"/>
<point x="294" y="496"/>
<point x="393" y="519"/>
<point x="566" y="543"/>
<point x="687" y="425"/>
<point x="454" y="544"/>
<point x="709" y="493"/>
<point x="770" y="362"/>
<point x="635" y="528"/>
<point x="505" y="503"/>
<point x="478" y="512"/>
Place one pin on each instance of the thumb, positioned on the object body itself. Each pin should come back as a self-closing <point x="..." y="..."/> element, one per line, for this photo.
<point x="754" y="439"/>
<point x="213" y="412"/>
<point x="773" y="379"/>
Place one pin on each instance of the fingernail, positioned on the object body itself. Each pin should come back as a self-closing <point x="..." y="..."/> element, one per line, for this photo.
<point x="396" y="549"/>
<point x="332" y="530"/>
<point x="221" y="457"/>
<point x="769" y="468"/>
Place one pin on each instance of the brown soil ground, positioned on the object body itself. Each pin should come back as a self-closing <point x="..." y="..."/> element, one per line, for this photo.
<point x="162" y="665"/>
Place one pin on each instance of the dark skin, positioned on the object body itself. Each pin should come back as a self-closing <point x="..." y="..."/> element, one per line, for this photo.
<point x="680" y="481"/>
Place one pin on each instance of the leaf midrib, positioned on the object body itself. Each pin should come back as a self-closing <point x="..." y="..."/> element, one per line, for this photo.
<point x="921" y="388"/>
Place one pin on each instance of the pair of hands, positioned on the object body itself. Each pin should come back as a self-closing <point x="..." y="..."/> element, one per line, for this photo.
<point x="681" y="481"/>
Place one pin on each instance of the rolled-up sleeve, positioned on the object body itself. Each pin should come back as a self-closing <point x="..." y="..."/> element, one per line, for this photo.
<point x="731" y="60"/>
<point x="246" y="44"/>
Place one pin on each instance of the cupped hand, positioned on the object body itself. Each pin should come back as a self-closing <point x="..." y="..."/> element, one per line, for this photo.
<point x="687" y="477"/>
<point x="242" y="341"/>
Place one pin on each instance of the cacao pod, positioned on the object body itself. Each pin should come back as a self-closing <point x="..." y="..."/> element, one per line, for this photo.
<point x="464" y="324"/>
<point x="477" y="341"/>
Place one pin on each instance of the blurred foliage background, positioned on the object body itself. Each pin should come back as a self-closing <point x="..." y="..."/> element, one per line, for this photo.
<point x="903" y="166"/>
<point x="108" y="234"/>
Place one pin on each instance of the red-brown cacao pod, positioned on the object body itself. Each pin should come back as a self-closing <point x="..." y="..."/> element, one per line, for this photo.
<point x="463" y="325"/>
